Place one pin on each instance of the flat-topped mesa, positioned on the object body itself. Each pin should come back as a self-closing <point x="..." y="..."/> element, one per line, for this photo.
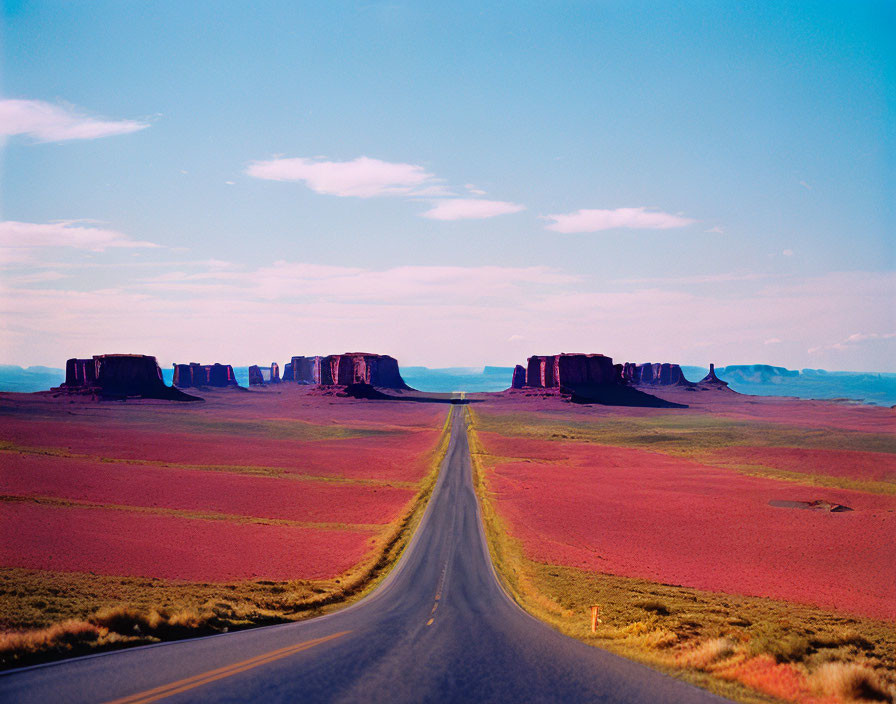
<point x="195" y="374"/>
<point x="261" y="376"/>
<point x="346" y="369"/>
<point x="519" y="377"/>
<point x="568" y="369"/>
<point x="587" y="378"/>
<point x="712" y="381"/>
<point x="120" y="376"/>
<point x="655" y="374"/>
<point x="379" y="370"/>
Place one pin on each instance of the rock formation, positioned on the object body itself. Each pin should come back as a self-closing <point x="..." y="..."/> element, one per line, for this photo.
<point x="759" y="374"/>
<point x="120" y="376"/>
<point x="712" y="381"/>
<point x="80" y="373"/>
<point x="567" y="370"/>
<point x="261" y="376"/>
<point x="195" y="374"/>
<point x="303" y="370"/>
<point x="346" y="369"/>
<point x="586" y="378"/>
<point x="519" y="377"/>
<point x="664" y="374"/>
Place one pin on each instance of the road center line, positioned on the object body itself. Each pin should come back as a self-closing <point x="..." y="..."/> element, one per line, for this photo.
<point x="183" y="685"/>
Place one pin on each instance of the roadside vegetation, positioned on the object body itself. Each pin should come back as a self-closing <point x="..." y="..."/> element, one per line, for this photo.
<point x="746" y="648"/>
<point x="50" y="615"/>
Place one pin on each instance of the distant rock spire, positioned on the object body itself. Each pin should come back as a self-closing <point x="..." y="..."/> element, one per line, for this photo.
<point x="711" y="380"/>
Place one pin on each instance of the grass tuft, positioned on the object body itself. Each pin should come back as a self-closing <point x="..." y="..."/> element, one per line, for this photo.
<point x="852" y="682"/>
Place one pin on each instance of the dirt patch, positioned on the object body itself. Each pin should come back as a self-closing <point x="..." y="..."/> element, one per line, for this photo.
<point x="817" y="505"/>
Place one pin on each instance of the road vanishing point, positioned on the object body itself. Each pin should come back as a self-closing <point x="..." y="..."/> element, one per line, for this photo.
<point x="440" y="628"/>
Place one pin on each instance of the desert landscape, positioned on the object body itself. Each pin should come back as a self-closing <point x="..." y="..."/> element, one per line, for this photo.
<point x="743" y="539"/>
<point x="388" y="352"/>
<point x="127" y="522"/>
<point x="741" y="543"/>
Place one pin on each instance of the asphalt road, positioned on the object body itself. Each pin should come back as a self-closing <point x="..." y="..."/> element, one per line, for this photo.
<point x="439" y="629"/>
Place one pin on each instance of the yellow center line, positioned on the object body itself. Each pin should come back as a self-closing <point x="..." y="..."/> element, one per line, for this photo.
<point x="429" y="623"/>
<point x="183" y="685"/>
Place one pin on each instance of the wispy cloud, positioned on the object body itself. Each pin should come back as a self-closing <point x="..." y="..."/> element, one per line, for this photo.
<point x="419" y="312"/>
<point x="366" y="177"/>
<point x="18" y="239"/>
<point x="629" y="218"/>
<point x="362" y="177"/>
<point x="470" y="208"/>
<point x="725" y="277"/>
<point x="300" y="281"/>
<point x="46" y="122"/>
<point x="851" y="341"/>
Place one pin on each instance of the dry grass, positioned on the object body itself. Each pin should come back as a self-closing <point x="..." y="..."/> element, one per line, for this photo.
<point x="50" y="615"/>
<point x="852" y="682"/>
<point x="745" y="648"/>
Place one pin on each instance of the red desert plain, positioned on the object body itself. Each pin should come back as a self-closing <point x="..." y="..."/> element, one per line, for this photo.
<point x="787" y="507"/>
<point x="300" y="495"/>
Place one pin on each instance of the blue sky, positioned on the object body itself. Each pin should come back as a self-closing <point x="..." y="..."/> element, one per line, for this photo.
<point x="452" y="185"/>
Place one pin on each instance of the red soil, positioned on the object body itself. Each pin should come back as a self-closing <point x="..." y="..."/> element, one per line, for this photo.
<point x="232" y="429"/>
<point x="197" y="490"/>
<point x="387" y="458"/>
<point x="125" y="543"/>
<point x="630" y="512"/>
<point x="874" y="466"/>
<point x="788" y="411"/>
<point x="177" y="434"/>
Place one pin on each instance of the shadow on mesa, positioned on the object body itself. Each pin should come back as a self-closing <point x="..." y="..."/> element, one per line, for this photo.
<point x="579" y="378"/>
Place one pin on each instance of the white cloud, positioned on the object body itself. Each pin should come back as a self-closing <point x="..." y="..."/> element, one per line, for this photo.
<point x="630" y="218"/>
<point x="286" y="281"/>
<point x="37" y="277"/>
<point x="851" y="341"/>
<point x="865" y="336"/>
<point x="17" y="239"/>
<point x="51" y="123"/>
<point x="716" y="229"/>
<point x="362" y="177"/>
<point x="697" y="279"/>
<point x="470" y="209"/>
